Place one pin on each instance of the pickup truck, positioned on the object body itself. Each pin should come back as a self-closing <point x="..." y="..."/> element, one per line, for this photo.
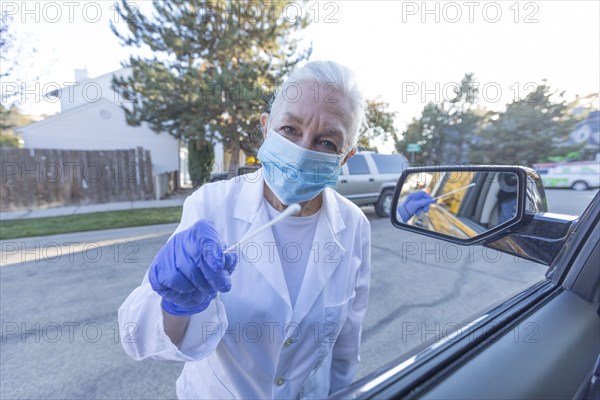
<point x="370" y="178"/>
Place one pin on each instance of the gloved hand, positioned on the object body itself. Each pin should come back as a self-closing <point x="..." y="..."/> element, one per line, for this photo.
<point x="415" y="203"/>
<point x="189" y="270"/>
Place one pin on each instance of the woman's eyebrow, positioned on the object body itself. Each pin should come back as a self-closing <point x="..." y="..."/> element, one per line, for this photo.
<point x="332" y="133"/>
<point x="293" y="117"/>
<point x="328" y="132"/>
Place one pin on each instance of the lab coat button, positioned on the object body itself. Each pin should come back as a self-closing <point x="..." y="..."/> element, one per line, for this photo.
<point x="288" y="342"/>
<point x="280" y="381"/>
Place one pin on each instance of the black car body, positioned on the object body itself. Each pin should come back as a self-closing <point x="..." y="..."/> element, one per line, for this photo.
<point x="483" y="359"/>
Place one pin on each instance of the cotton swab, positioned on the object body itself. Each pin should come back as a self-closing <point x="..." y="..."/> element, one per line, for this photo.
<point x="454" y="191"/>
<point x="292" y="209"/>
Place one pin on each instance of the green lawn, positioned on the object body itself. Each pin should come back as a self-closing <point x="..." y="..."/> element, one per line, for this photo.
<point x="88" y="222"/>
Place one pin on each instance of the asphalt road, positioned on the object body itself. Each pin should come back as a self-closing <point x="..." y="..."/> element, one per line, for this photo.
<point x="58" y="303"/>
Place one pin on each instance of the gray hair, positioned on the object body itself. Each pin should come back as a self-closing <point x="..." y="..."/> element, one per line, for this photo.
<point x="343" y="80"/>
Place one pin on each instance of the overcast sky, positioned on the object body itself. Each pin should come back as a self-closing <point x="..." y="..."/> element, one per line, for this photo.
<point x="408" y="53"/>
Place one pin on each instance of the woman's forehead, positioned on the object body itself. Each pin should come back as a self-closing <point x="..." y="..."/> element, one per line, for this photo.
<point x="311" y="103"/>
<point x="304" y="92"/>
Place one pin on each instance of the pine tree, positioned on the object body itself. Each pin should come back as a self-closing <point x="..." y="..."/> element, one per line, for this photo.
<point x="214" y="64"/>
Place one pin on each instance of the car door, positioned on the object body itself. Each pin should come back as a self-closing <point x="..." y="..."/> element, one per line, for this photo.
<point x="558" y="321"/>
<point x="541" y="343"/>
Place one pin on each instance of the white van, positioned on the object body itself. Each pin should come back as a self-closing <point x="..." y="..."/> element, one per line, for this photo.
<point x="580" y="175"/>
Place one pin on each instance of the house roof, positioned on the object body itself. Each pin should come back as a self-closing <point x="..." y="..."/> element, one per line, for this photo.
<point x="56" y="117"/>
<point x="122" y="71"/>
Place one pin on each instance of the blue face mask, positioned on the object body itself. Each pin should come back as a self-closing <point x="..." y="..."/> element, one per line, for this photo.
<point x="296" y="174"/>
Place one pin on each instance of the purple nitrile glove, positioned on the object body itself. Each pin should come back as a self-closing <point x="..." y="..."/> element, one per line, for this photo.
<point x="190" y="268"/>
<point x="415" y="203"/>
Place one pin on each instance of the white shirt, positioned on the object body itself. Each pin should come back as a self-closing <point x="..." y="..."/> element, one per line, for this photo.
<point x="294" y="239"/>
<point x="250" y="342"/>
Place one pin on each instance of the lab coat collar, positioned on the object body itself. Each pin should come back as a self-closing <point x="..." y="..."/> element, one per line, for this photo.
<point x="250" y="208"/>
<point x="330" y="254"/>
<point x="251" y="195"/>
<point x="332" y="211"/>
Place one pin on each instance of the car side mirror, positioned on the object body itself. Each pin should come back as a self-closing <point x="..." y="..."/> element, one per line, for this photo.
<point x="496" y="206"/>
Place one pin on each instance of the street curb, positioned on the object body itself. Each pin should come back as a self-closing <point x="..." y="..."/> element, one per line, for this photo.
<point x="91" y="208"/>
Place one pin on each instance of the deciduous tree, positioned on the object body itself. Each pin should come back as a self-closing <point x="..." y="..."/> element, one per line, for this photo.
<point x="380" y="124"/>
<point x="529" y="131"/>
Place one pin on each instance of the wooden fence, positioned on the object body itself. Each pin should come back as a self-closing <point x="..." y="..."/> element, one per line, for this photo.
<point x="42" y="178"/>
<point x="165" y="183"/>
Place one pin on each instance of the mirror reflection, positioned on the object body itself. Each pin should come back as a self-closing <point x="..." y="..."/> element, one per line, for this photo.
<point x="460" y="204"/>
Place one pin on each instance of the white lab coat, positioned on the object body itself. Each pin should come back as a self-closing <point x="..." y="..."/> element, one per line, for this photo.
<point x="250" y="342"/>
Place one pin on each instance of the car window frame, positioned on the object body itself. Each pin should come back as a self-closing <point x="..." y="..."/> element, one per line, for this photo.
<point x="355" y="159"/>
<point x="403" y="162"/>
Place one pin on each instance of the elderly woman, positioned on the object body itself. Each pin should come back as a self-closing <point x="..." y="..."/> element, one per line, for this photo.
<point x="287" y="322"/>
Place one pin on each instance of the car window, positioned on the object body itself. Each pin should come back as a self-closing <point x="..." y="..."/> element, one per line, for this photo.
<point x="390" y="163"/>
<point x="357" y="165"/>
<point x="424" y="288"/>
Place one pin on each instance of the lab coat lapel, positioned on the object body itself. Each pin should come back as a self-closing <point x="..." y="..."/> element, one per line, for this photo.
<point x="330" y="253"/>
<point x="250" y="208"/>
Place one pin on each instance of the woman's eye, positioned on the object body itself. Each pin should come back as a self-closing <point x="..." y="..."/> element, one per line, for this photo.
<point x="329" y="146"/>
<point x="288" y="130"/>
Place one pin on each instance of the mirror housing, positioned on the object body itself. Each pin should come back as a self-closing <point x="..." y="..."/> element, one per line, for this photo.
<point x="530" y="232"/>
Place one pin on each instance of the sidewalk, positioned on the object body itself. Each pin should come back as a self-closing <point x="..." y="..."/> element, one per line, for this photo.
<point x="176" y="200"/>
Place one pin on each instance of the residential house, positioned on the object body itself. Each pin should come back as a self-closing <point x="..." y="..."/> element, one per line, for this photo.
<point x="92" y="118"/>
